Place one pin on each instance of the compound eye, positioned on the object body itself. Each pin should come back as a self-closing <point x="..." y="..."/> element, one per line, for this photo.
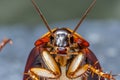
<point x="51" y="39"/>
<point x="71" y="39"/>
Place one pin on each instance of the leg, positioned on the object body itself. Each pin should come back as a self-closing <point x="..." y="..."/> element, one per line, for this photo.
<point x="79" y="69"/>
<point x="51" y="71"/>
<point x="75" y="69"/>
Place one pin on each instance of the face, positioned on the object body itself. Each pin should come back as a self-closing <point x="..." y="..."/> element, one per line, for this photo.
<point x="61" y="38"/>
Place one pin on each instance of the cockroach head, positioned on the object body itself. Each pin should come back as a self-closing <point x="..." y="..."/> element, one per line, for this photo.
<point x="61" y="38"/>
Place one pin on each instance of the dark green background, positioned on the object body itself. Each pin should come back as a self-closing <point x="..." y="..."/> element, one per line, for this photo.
<point x="22" y="11"/>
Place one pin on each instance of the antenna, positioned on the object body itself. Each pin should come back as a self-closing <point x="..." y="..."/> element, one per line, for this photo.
<point x="84" y="16"/>
<point x="41" y="15"/>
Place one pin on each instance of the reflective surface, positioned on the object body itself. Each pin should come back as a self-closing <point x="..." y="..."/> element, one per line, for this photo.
<point x="61" y="37"/>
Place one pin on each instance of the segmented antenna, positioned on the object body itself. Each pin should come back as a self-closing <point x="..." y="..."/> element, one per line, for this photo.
<point x="41" y="15"/>
<point x="84" y="16"/>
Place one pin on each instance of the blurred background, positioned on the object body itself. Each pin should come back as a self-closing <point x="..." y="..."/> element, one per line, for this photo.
<point x="20" y="22"/>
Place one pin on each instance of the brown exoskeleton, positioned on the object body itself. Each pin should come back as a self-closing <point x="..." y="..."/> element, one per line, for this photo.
<point x="62" y="54"/>
<point x="4" y="42"/>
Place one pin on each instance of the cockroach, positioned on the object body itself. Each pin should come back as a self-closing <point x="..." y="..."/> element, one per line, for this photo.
<point x="62" y="54"/>
<point x="4" y="42"/>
